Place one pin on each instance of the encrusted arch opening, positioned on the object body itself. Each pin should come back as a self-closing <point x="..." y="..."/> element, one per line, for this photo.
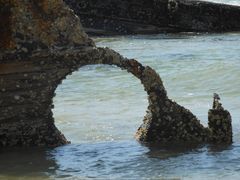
<point x="165" y="121"/>
<point x="99" y="103"/>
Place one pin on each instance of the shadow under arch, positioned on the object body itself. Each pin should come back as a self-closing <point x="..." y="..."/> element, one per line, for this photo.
<point x="109" y="57"/>
<point x="99" y="103"/>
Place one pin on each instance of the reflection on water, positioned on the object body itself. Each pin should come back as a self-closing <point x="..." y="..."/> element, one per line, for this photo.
<point x="18" y="163"/>
<point x="122" y="159"/>
<point x="100" y="107"/>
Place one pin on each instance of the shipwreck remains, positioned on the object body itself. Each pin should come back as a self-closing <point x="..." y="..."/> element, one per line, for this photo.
<point x="41" y="43"/>
<point x="219" y="122"/>
<point x="108" y="17"/>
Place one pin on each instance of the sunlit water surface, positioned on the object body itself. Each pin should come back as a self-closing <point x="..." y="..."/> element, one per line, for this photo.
<point x="100" y="107"/>
<point x="232" y="2"/>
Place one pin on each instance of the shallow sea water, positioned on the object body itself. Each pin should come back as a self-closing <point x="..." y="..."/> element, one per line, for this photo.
<point x="99" y="108"/>
<point x="103" y="106"/>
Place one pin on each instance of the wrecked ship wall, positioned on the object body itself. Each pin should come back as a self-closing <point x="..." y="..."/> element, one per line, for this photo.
<point x="107" y="17"/>
<point x="30" y="32"/>
<point x="39" y="25"/>
<point x="190" y="15"/>
<point x="33" y="63"/>
<point x="26" y="102"/>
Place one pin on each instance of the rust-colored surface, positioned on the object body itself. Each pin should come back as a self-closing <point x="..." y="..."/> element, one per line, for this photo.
<point x="136" y="68"/>
<point x="17" y="68"/>
<point x="39" y="11"/>
<point x="38" y="24"/>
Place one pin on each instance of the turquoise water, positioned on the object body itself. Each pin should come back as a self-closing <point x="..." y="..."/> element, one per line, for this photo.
<point x="100" y="107"/>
